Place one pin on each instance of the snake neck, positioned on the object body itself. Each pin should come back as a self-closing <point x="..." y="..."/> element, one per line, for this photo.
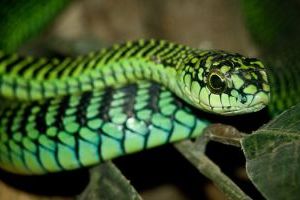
<point x="28" y="78"/>
<point x="154" y="60"/>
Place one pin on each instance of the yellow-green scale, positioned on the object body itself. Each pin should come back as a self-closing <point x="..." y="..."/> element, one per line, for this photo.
<point x="133" y="142"/>
<point x="115" y="66"/>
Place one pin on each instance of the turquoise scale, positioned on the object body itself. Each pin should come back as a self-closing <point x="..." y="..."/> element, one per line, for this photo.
<point x="81" y="130"/>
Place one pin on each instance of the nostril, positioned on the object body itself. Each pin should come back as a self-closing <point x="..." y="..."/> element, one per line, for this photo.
<point x="243" y="99"/>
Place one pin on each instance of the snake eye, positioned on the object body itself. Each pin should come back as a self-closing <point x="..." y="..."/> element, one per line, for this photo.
<point x="216" y="83"/>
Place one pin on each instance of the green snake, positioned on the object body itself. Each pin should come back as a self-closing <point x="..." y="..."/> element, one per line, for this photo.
<point x="65" y="113"/>
<point x="96" y="118"/>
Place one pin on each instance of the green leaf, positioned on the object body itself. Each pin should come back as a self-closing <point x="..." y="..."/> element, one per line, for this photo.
<point x="273" y="156"/>
<point x="107" y="182"/>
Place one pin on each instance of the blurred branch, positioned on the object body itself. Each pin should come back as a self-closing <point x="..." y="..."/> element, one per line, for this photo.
<point x="195" y="154"/>
<point x="224" y="134"/>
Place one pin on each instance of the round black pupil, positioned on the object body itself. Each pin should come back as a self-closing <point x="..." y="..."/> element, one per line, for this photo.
<point x="216" y="82"/>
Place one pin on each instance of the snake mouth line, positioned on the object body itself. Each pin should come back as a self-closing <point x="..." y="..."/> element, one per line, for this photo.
<point x="245" y="110"/>
<point x="234" y="110"/>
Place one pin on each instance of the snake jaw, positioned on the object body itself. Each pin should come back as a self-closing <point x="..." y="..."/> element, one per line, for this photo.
<point x="259" y="101"/>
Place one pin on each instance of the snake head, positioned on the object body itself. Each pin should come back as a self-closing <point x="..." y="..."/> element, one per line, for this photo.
<point x="224" y="83"/>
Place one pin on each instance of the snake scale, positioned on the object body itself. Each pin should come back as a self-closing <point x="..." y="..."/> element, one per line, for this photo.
<point x="65" y="113"/>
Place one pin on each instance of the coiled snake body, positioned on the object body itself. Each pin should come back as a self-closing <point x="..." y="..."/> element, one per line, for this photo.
<point x="61" y="114"/>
